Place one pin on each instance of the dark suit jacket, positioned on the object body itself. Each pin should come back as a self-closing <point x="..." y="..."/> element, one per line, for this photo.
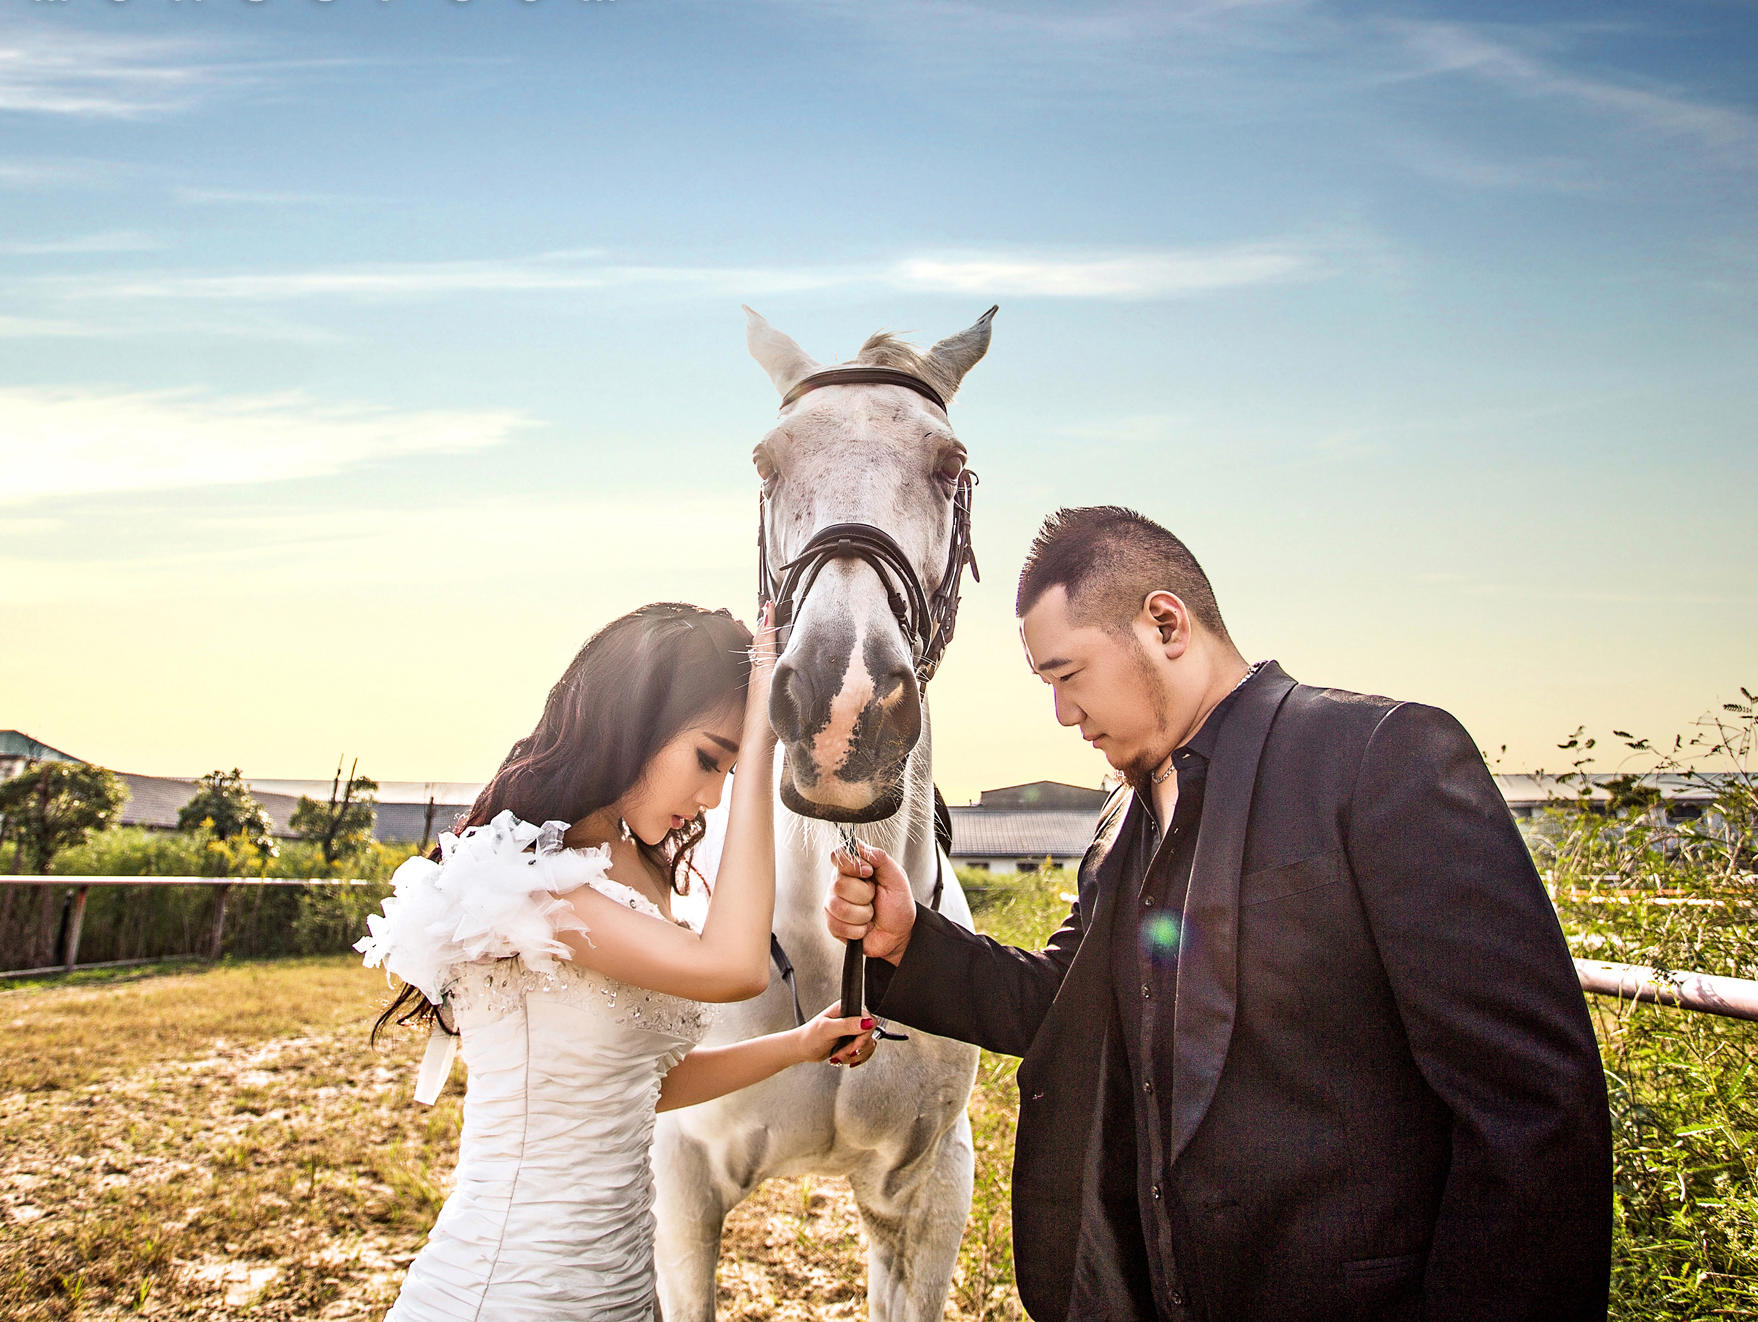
<point x="1389" y="1102"/>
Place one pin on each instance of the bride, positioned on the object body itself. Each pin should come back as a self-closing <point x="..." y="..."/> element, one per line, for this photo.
<point x="544" y="937"/>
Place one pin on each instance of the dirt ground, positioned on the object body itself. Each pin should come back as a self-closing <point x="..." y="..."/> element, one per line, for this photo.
<point x="221" y="1144"/>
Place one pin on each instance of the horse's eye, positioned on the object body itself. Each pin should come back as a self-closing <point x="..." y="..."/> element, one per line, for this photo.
<point x="765" y="463"/>
<point x="951" y="468"/>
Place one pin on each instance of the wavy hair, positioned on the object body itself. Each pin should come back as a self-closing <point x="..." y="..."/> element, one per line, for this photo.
<point x="636" y="684"/>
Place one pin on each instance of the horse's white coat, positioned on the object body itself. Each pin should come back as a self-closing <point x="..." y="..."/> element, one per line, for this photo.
<point x="895" y="1127"/>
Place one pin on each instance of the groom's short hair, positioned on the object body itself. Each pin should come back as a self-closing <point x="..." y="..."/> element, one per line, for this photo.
<point x="1108" y="559"/>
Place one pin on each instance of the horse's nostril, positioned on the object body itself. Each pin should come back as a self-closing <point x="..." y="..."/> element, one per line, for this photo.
<point x="790" y="698"/>
<point x="888" y="683"/>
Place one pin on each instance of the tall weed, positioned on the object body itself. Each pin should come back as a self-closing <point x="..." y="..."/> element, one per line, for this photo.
<point x="1640" y="888"/>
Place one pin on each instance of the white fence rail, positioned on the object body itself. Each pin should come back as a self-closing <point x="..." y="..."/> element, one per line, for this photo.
<point x="1733" y="998"/>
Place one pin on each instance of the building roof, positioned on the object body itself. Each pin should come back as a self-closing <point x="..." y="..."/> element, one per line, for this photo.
<point x="406" y="823"/>
<point x="155" y="801"/>
<point x="1044" y="794"/>
<point x="16" y="743"/>
<point x="443" y="792"/>
<point x="1026" y="833"/>
<point x="1538" y="789"/>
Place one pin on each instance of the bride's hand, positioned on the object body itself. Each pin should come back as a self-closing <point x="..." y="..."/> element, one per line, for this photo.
<point x="764" y="651"/>
<point x="818" y="1037"/>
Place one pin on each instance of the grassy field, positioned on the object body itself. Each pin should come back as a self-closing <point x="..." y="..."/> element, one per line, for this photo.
<point x="219" y="1142"/>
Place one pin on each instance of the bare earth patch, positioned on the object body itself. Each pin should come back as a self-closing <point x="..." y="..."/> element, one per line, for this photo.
<point x="222" y="1144"/>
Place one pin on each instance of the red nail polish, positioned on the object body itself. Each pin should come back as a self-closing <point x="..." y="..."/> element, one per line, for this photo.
<point x="866" y="1023"/>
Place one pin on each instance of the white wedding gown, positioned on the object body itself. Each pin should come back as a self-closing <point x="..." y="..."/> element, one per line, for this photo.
<point x="552" y="1214"/>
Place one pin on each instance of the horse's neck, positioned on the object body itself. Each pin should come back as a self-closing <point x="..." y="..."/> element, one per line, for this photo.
<point x="804" y="844"/>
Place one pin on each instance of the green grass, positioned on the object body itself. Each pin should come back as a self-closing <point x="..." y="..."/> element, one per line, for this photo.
<point x="1022" y="910"/>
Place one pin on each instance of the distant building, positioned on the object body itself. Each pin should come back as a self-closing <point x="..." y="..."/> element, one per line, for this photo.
<point x="406" y="811"/>
<point x="18" y="751"/>
<point x="154" y="802"/>
<point x="1015" y="828"/>
<point x="402" y="814"/>
<point x="1682" y="797"/>
<point x="1010" y="829"/>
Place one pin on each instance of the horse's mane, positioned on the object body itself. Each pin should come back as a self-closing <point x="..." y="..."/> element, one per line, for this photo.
<point x="883" y="349"/>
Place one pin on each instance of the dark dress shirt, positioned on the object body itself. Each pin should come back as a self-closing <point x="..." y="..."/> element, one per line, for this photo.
<point x="1145" y="984"/>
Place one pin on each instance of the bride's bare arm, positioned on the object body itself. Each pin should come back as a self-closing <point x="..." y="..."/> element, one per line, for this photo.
<point x="729" y="959"/>
<point x="710" y="1072"/>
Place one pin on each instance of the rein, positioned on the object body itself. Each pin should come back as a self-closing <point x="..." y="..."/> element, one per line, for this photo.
<point x="927" y="620"/>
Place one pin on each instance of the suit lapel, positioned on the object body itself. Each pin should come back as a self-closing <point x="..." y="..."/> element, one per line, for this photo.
<point x="1098" y="875"/>
<point x="1208" y="951"/>
<point x="1088" y="980"/>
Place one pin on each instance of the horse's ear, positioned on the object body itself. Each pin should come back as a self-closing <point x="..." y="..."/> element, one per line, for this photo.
<point x="778" y="355"/>
<point x="957" y="354"/>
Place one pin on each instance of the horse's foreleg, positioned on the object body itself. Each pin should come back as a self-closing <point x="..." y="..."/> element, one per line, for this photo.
<point x="691" y="1215"/>
<point x="915" y="1218"/>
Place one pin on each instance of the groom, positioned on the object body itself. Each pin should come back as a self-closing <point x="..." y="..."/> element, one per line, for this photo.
<point x="1309" y="1046"/>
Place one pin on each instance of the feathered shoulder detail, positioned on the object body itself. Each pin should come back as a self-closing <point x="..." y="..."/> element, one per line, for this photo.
<point x="492" y="895"/>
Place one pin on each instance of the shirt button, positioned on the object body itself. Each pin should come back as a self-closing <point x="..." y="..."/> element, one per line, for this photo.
<point x="1156" y="1193"/>
<point x="1147" y="1085"/>
<point x="1175" y="1299"/>
<point x="1147" y="992"/>
<point x="1147" y="901"/>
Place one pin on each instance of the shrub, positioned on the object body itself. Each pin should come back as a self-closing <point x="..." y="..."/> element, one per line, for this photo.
<point x="145" y="922"/>
<point x="54" y="806"/>
<point x="1635" y="889"/>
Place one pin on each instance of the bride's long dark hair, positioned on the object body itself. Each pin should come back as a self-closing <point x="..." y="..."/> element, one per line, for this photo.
<point x="636" y="684"/>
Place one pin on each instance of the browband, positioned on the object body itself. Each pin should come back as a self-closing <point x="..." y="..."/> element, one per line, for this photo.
<point x="864" y="376"/>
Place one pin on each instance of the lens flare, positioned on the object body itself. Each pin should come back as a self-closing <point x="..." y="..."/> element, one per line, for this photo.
<point x="1159" y="939"/>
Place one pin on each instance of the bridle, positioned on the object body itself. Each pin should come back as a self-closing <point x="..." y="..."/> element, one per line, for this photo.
<point x="926" y="619"/>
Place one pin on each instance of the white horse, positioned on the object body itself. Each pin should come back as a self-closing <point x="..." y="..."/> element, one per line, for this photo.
<point x="854" y="724"/>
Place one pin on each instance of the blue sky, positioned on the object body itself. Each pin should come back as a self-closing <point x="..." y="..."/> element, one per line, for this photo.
<point x="357" y="359"/>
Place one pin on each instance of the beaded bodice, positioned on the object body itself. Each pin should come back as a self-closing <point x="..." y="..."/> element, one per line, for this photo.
<point x="491" y="988"/>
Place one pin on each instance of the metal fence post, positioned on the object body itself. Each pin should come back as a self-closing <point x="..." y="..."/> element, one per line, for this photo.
<point x="220" y="893"/>
<point x="75" y="920"/>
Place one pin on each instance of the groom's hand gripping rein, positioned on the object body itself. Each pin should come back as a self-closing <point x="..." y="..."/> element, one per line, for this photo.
<point x="854" y="960"/>
<point x="871" y="902"/>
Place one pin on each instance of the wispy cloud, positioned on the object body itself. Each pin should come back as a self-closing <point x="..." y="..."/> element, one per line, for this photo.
<point x="1120" y="49"/>
<point x="25" y="328"/>
<point x="1103" y="274"/>
<point x="1132" y="275"/>
<point x="608" y="550"/>
<point x="1448" y="163"/>
<point x="112" y="241"/>
<point x="1445" y="48"/>
<point x="261" y="197"/>
<point x="62" y="72"/>
<point x="64" y="172"/>
<point x="390" y="279"/>
<point x="52" y="70"/>
<point x="151" y="322"/>
<point x="1234" y="60"/>
<point x="1105" y="24"/>
<point x="17" y="525"/>
<point x="66" y="442"/>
